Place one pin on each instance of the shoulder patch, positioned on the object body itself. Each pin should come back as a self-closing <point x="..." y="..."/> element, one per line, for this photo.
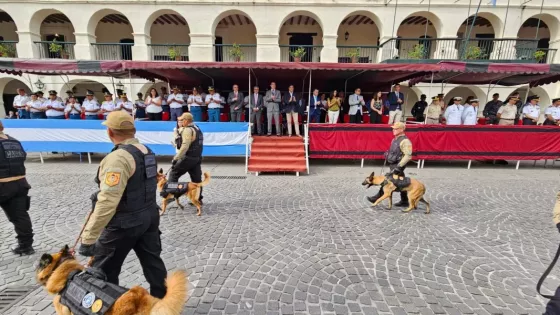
<point x="112" y="178"/>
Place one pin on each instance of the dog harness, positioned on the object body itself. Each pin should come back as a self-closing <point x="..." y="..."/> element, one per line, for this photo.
<point x="399" y="183"/>
<point x="88" y="292"/>
<point x="175" y="189"/>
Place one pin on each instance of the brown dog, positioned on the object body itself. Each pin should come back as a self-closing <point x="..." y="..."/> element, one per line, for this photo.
<point x="53" y="270"/>
<point x="192" y="192"/>
<point x="416" y="191"/>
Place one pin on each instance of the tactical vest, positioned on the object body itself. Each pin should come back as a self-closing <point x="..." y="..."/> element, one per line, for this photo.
<point x="12" y="157"/>
<point x="175" y="189"/>
<point x="195" y="149"/>
<point x="395" y="154"/>
<point x="140" y="192"/>
<point x="88" y="292"/>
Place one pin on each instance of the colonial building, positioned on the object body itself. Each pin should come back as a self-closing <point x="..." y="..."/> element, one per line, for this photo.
<point x="365" y="31"/>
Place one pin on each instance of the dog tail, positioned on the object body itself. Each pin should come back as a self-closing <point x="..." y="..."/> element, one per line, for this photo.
<point x="176" y="296"/>
<point x="206" y="180"/>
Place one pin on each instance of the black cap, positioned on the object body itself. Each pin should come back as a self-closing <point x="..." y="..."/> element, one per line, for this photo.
<point x="533" y="97"/>
<point x="496" y="94"/>
<point x="52" y="92"/>
<point x="423" y="96"/>
<point x="89" y="92"/>
<point x="108" y="93"/>
<point x="139" y="94"/>
<point x="555" y="100"/>
<point x="69" y="92"/>
<point x="435" y="98"/>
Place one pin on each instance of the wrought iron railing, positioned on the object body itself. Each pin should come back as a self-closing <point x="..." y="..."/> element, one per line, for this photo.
<point x="55" y="50"/>
<point x="357" y="54"/>
<point x="235" y="52"/>
<point x="113" y="51"/>
<point x="312" y="53"/>
<point x="8" y="49"/>
<point x="169" y="52"/>
<point x="493" y="49"/>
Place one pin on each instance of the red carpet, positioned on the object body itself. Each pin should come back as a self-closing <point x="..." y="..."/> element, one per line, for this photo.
<point x="277" y="154"/>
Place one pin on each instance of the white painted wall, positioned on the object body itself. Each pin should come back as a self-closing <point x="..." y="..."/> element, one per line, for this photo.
<point x="112" y="33"/>
<point x="363" y="34"/>
<point x="170" y="34"/>
<point x="285" y="39"/>
<point x="239" y="34"/>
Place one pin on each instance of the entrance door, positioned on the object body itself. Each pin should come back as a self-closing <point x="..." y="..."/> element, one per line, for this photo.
<point x="126" y="50"/>
<point x="302" y="39"/>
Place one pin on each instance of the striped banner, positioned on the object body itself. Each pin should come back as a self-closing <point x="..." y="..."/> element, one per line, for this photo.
<point x="53" y="135"/>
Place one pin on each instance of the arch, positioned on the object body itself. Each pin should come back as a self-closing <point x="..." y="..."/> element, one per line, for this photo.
<point x="465" y="91"/>
<point x="167" y="27"/>
<point x="303" y="13"/>
<point x="8" y="27"/>
<point x="8" y="86"/>
<point x="38" y="19"/>
<point x="411" y="95"/>
<point x="99" y="15"/>
<point x="80" y="87"/>
<point x="548" y="22"/>
<point x="301" y="29"/>
<point x="238" y="19"/>
<point x="363" y="27"/>
<point x="419" y="18"/>
<point x="486" y="23"/>
<point x="545" y="99"/>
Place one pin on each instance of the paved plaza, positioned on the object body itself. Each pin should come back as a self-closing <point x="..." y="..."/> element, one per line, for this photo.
<point x="281" y="244"/>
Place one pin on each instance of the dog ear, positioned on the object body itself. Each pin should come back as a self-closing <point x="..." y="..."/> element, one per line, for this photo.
<point x="45" y="260"/>
<point x="372" y="174"/>
<point x="65" y="251"/>
<point x="161" y="170"/>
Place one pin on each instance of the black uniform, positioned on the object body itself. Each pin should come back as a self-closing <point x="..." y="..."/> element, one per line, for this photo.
<point x="192" y="161"/>
<point x="418" y="110"/>
<point x="13" y="193"/>
<point x="393" y="157"/>
<point x="135" y="226"/>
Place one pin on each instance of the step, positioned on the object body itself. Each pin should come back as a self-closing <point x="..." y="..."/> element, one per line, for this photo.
<point x="276" y="159"/>
<point x="278" y="144"/>
<point x="278" y="148"/>
<point x="273" y="153"/>
<point x="278" y="139"/>
<point x="300" y="167"/>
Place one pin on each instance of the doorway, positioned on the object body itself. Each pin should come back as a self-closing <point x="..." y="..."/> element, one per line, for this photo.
<point x="126" y="50"/>
<point x="219" y="49"/>
<point x="304" y="40"/>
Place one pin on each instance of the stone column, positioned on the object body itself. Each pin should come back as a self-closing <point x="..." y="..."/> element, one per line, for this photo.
<point x="268" y="49"/>
<point x="83" y="49"/>
<point x="140" y="50"/>
<point x="329" y="53"/>
<point x="201" y="47"/>
<point x="26" y="47"/>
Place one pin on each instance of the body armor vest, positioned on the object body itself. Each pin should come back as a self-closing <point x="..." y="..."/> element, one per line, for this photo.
<point x="195" y="149"/>
<point x="12" y="158"/>
<point x="395" y="154"/>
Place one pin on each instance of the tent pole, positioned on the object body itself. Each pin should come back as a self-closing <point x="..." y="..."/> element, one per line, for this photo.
<point x="130" y="91"/>
<point x="306" y="142"/>
<point x="429" y="95"/>
<point x="195" y="69"/>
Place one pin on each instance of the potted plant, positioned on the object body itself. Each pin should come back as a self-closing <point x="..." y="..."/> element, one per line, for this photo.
<point x="7" y="50"/>
<point x="236" y="53"/>
<point x="298" y="54"/>
<point x="417" y="52"/>
<point x="354" y="54"/>
<point x="174" y="53"/>
<point x="473" y="53"/>
<point x="539" y="55"/>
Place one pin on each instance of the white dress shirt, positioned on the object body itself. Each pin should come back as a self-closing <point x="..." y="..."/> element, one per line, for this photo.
<point x="453" y="114"/>
<point x="193" y="99"/>
<point x="531" y="110"/>
<point x="35" y="106"/>
<point x="74" y="108"/>
<point x="215" y="100"/>
<point x="153" y="109"/>
<point x="554" y="111"/>
<point x="55" y="104"/>
<point x="470" y="115"/>
<point x="21" y="101"/>
<point x="128" y="105"/>
<point x="91" y="105"/>
<point x="173" y="104"/>
<point x="109" y="106"/>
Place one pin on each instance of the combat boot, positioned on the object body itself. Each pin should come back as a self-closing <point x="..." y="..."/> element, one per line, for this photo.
<point x="22" y="250"/>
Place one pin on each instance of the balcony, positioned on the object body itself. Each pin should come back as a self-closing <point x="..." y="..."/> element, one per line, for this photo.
<point x="169" y="52"/>
<point x="235" y="52"/>
<point x="8" y="49"/>
<point x="310" y="53"/>
<point x="401" y="50"/>
<point x="113" y="51"/>
<point x="55" y="50"/>
<point x="357" y="54"/>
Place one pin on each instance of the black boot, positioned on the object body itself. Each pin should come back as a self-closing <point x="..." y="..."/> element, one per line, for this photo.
<point x="404" y="200"/>
<point x="374" y="198"/>
<point x="22" y="250"/>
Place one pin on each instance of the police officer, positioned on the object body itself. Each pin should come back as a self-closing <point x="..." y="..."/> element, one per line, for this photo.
<point x="552" y="114"/>
<point x="531" y="111"/>
<point x="125" y="214"/>
<point x="90" y="107"/>
<point x="454" y="112"/>
<point x="13" y="192"/>
<point x="189" y="142"/>
<point x="108" y="105"/>
<point x="125" y="105"/>
<point x="400" y="152"/>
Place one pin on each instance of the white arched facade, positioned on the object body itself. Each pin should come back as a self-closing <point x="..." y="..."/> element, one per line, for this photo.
<point x="8" y="86"/>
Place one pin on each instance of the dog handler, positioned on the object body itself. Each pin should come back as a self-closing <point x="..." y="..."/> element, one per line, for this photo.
<point x="125" y="213"/>
<point x="400" y="152"/>
<point x="13" y="192"/>
<point x="189" y="142"/>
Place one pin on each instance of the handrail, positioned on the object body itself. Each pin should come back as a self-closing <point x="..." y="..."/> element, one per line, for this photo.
<point x="171" y="44"/>
<point x="8" y="42"/>
<point x="312" y="46"/>
<point x="122" y="44"/>
<point x="53" y="42"/>
<point x="247" y="149"/>
<point x="357" y="46"/>
<point x="231" y="45"/>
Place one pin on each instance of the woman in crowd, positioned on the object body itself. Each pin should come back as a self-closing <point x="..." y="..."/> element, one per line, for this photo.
<point x="324" y="108"/>
<point x="333" y="104"/>
<point x="376" y="108"/>
<point x="153" y="103"/>
<point x="195" y="103"/>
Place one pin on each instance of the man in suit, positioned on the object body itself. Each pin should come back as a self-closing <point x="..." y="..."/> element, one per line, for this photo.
<point x="272" y="101"/>
<point x="255" y="107"/>
<point x="356" y="101"/>
<point x="235" y="101"/>
<point x="315" y="107"/>
<point x="396" y="100"/>
<point x="291" y="103"/>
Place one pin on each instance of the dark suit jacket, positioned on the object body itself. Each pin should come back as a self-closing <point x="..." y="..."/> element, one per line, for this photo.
<point x="238" y="103"/>
<point x="290" y="106"/>
<point x="393" y="104"/>
<point x="259" y="104"/>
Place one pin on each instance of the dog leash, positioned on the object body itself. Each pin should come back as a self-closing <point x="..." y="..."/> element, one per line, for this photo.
<point x="545" y="274"/>
<point x="73" y="248"/>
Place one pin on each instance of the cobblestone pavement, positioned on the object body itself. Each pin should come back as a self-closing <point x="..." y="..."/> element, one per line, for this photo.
<point x="280" y="244"/>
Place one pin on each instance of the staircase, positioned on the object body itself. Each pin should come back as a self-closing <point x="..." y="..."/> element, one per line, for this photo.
<point x="277" y="154"/>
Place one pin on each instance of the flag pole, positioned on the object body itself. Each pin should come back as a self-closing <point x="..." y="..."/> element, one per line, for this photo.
<point x="470" y="30"/>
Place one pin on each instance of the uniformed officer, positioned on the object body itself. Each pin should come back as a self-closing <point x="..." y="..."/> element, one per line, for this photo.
<point x="35" y="106"/>
<point x="73" y="108"/>
<point x="55" y="108"/>
<point x="90" y="107"/>
<point x="433" y="111"/>
<point x="454" y="112"/>
<point x="508" y="112"/>
<point x="188" y="159"/>
<point x="41" y="96"/>
<point x="13" y="192"/>
<point x="531" y="111"/>
<point x="125" y="213"/>
<point x="470" y="112"/>
<point x="552" y="113"/>
<point x="140" y="106"/>
<point x="125" y="105"/>
<point x="400" y="152"/>
<point x="69" y="94"/>
<point x="108" y="105"/>
<point x="20" y="103"/>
